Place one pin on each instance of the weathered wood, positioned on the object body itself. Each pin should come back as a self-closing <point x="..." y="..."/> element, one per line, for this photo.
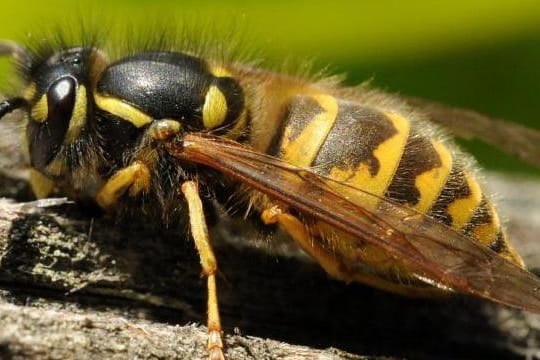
<point x="72" y="292"/>
<point x="52" y="331"/>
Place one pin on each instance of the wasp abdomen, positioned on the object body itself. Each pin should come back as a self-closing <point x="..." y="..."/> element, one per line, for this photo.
<point x="388" y="155"/>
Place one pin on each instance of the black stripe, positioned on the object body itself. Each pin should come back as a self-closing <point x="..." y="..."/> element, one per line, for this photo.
<point x="234" y="95"/>
<point x="296" y="116"/>
<point x="456" y="188"/>
<point x="418" y="157"/>
<point x="481" y="216"/>
<point x="499" y="244"/>
<point x="357" y="132"/>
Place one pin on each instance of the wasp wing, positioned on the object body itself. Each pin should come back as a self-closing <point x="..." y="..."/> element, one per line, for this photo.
<point x="514" y="139"/>
<point x="430" y="248"/>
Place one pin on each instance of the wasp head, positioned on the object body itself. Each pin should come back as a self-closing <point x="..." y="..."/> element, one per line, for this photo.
<point x="56" y="102"/>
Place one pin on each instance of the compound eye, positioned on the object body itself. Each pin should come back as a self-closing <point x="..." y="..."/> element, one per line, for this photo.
<point x="46" y="134"/>
<point x="61" y="101"/>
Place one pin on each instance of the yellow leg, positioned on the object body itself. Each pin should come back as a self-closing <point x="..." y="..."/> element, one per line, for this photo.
<point x="331" y="263"/>
<point x="135" y="178"/>
<point x="41" y="185"/>
<point x="200" y="235"/>
<point x="298" y="231"/>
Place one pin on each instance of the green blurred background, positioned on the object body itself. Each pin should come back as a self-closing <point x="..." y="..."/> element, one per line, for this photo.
<point x="483" y="55"/>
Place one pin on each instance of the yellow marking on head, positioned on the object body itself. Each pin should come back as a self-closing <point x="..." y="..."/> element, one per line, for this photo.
<point x="78" y="117"/>
<point x="123" y="110"/>
<point x="389" y="154"/>
<point x="42" y="186"/>
<point x="303" y="149"/>
<point x="30" y="91"/>
<point x="215" y="108"/>
<point x="431" y="182"/>
<point x="219" y="71"/>
<point x="40" y="110"/>
<point x="462" y="210"/>
<point x="486" y="233"/>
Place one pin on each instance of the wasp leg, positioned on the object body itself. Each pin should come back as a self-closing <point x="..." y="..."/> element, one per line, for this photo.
<point x="41" y="185"/>
<point x="200" y="235"/>
<point x="331" y="264"/>
<point x="134" y="178"/>
<point x="299" y="232"/>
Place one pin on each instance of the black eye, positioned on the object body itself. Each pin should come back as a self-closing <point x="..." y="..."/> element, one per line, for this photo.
<point x="61" y="100"/>
<point x="46" y="138"/>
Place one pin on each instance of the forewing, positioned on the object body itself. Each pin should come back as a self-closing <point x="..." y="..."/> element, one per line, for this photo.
<point x="430" y="248"/>
<point x="512" y="138"/>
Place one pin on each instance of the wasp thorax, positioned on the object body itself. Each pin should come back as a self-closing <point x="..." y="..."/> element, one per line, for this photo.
<point x="167" y="85"/>
<point x="58" y="106"/>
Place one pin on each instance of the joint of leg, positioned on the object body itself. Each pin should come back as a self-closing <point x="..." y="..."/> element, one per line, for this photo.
<point x="215" y="353"/>
<point x="132" y="179"/>
<point x="271" y="215"/>
<point x="214" y="339"/>
<point x="215" y="346"/>
<point x="209" y="265"/>
<point x="141" y="182"/>
<point x="164" y="129"/>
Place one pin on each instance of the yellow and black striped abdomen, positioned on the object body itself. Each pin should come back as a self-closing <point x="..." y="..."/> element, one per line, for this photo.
<point x="386" y="154"/>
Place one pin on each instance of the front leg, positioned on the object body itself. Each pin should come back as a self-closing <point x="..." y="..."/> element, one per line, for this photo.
<point x="133" y="179"/>
<point x="199" y="231"/>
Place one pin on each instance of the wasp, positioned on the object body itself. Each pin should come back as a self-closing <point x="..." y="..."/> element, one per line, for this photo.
<point x="361" y="180"/>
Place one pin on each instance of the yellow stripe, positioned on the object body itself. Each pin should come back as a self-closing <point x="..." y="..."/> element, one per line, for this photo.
<point x="122" y="110"/>
<point x="40" y="110"/>
<point x="30" y="92"/>
<point x="219" y="71"/>
<point x="302" y="150"/>
<point x="486" y="233"/>
<point x="431" y="182"/>
<point x="215" y="108"/>
<point x="389" y="154"/>
<point x="78" y="118"/>
<point x="462" y="210"/>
